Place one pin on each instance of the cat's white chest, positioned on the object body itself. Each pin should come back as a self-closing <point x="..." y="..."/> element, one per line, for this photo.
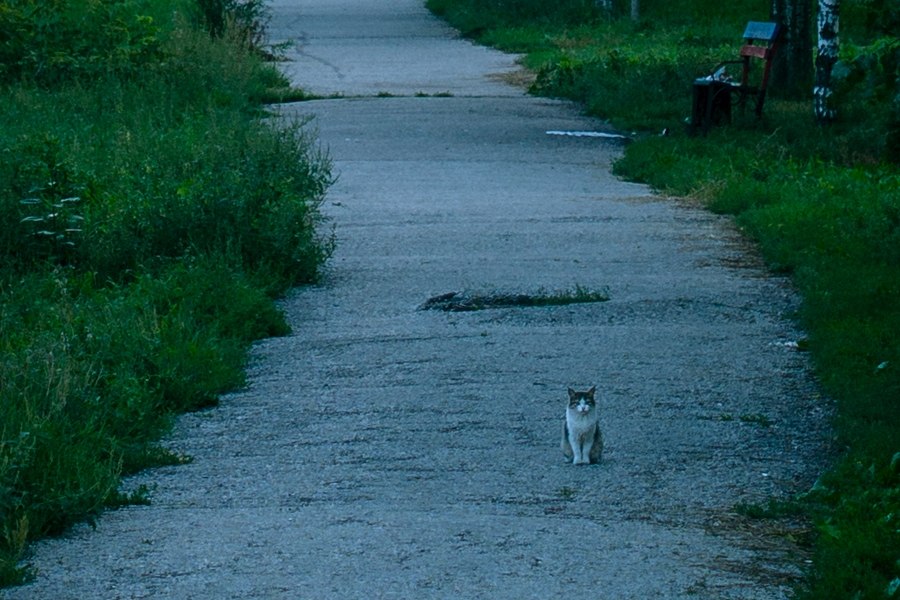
<point x="581" y="421"/>
<point x="582" y="441"/>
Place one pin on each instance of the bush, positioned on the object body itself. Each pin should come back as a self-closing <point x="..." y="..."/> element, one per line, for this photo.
<point x="54" y="40"/>
<point x="245" y="20"/>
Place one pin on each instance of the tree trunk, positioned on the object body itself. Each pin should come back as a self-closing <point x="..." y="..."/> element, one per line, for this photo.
<point x="635" y="10"/>
<point x="793" y="67"/>
<point x="826" y="56"/>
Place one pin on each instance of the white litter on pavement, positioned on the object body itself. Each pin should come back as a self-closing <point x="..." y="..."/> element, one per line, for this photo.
<point x="597" y="134"/>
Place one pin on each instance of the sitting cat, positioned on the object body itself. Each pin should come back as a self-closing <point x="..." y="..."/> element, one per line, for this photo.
<point x="582" y="440"/>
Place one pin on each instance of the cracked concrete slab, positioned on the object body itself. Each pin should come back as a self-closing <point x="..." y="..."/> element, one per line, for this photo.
<point x="353" y="48"/>
<point x="382" y="451"/>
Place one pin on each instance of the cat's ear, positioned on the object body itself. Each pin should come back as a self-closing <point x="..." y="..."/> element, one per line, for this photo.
<point x="572" y="394"/>
<point x="591" y="391"/>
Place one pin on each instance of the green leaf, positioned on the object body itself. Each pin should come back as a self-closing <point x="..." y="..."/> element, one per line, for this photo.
<point x="830" y="529"/>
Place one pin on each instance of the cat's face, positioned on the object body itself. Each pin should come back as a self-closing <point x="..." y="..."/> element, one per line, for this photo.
<point x="582" y="402"/>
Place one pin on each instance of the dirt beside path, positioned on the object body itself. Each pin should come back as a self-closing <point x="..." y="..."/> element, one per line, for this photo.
<point x="383" y="451"/>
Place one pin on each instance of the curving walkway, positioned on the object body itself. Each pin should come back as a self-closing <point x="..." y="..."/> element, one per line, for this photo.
<point x="383" y="451"/>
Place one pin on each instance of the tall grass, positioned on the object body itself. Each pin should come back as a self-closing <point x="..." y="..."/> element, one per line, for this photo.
<point x="152" y="168"/>
<point x="90" y="377"/>
<point x="149" y="211"/>
<point x="823" y="204"/>
<point x="479" y="16"/>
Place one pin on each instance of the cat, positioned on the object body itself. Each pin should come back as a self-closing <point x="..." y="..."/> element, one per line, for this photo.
<point x="582" y="440"/>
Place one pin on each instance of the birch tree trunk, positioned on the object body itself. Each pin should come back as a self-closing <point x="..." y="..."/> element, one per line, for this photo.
<point x="635" y="10"/>
<point x="826" y="56"/>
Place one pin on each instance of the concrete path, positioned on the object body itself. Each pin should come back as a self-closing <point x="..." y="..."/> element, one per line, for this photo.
<point x="383" y="451"/>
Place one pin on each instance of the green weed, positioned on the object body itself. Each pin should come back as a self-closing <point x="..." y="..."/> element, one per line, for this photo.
<point x="49" y="42"/>
<point x="756" y="419"/>
<point x="771" y="509"/>
<point x="567" y="493"/>
<point x="242" y="20"/>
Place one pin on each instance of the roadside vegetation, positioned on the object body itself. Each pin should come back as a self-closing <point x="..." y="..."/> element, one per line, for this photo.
<point x="149" y="214"/>
<point x="823" y="203"/>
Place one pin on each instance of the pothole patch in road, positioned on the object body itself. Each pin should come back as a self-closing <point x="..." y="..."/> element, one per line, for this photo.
<point x="590" y="134"/>
<point x="471" y="301"/>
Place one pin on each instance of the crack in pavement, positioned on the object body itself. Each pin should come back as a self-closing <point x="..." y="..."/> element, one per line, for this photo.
<point x="299" y="44"/>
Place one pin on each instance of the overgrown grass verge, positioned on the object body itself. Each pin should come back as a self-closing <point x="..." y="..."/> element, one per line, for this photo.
<point x="836" y="229"/>
<point x="149" y="213"/>
<point x="823" y="204"/>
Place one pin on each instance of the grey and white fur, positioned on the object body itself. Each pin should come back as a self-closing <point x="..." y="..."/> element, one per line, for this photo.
<point x="582" y="441"/>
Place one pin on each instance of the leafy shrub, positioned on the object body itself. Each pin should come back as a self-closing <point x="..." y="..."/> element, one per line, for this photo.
<point x="868" y="90"/>
<point x="41" y="206"/>
<point x="245" y="20"/>
<point x="54" y="40"/>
